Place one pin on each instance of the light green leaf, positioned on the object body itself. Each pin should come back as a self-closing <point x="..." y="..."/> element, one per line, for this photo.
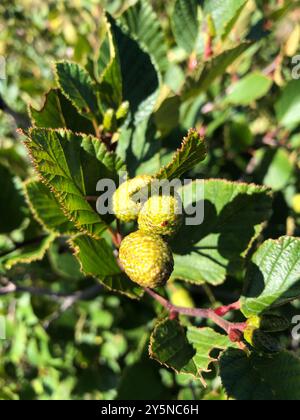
<point x="288" y="105"/>
<point x="227" y="217"/>
<point x="141" y="21"/>
<point x="255" y="378"/>
<point x="12" y="202"/>
<point x="273" y="277"/>
<point x="58" y="112"/>
<point x="274" y="167"/>
<point x="97" y="260"/>
<point x="224" y="14"/>
<point x="192" y="152"/>
<point x="186" y="350"/>
<point x="28" y="253"/>
<point x="77" y="85"/>
<point x="211" y="71"/>
<point x="251" y="88"/>
<point x="68" y="164"/>
<point x="185" y="24"/>
<point x="46" y="208"/>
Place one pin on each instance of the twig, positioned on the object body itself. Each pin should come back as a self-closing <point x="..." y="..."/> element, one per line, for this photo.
<point x="70" y="301"/>
<point x="223" y="310"/>
<point x="232" y="329"/>
<point x="10" y="287"/>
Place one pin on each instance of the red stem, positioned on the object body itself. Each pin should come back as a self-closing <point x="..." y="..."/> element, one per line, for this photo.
<point x="223" y="310"/>
<point x="227" y="326"/>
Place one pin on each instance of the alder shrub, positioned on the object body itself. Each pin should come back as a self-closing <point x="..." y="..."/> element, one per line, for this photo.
<point x="179" y="92"/>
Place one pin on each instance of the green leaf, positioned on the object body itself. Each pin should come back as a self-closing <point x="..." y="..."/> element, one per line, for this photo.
<point x="140" y="79"/>
<point x="143" y="24"/>
<point x="167" y="116"/>
<point x="211" y="71"/>
<point x="68" y="164"/>
<point x="186" y="350"/>
<point x="228" y="216"/>
<point x="224" y="14"/>
<point x="58" y="112"/>
<point x="185" y="24"/>
<point x="28" y="253"/>
<point x="275" y="167"/>
<point x="273" y="277"/>
<point x="251" y="88"/>
<point x="192" y="151"/>
<point x="97" y="260"/>
<point x="255" y="377"/>
<point x="63" y="262"/>
<point x="77" y="85"/>
<point x="288" y="105"/>
<point x="110" y="88"/>
<point x="46" y="208"/>
<point x="12" y="202"/>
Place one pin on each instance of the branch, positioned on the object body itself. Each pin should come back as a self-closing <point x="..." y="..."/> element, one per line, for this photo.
<point x="234" y="330"/>
<point x="11" y="287"/>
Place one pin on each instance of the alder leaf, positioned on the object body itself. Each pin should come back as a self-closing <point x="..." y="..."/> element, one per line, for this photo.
<point x="77" y="85"/>
<point x="191" y="152"/>
<point x="185" y="24"/>
<point x="141" y="22"/>
<point x="58" y="112"/>
<point x="28" y="253"/>
<point x="273" y="277"/>
<point x="224" y="219"/>
<point x="186" y="350"/>
<point x="68" y="164"/>
<point x="224" y="14"/>
<point x="46" y="208"/>
<point x="255" y="377"/>
<point x="139" y="76"/>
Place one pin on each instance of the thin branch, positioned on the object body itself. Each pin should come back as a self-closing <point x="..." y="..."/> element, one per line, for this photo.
<point x="10" y="287"/>
<point x="227" y="326"/>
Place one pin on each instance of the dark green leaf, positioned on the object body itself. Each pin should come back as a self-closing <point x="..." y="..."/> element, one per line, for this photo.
<point x="58" y="112"/>
<point x="12" y="202"/>
<point x="255" y="377"/>
<point x="141" y="22"/>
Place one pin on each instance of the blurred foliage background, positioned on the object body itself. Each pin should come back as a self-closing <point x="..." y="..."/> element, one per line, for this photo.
<point x="65" y="345"/>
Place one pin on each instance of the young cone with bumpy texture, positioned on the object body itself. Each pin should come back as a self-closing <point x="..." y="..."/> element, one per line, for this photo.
<point x="161" y="215"/>
<point x="125" y="208"/>
<point x="147" y="259"/>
